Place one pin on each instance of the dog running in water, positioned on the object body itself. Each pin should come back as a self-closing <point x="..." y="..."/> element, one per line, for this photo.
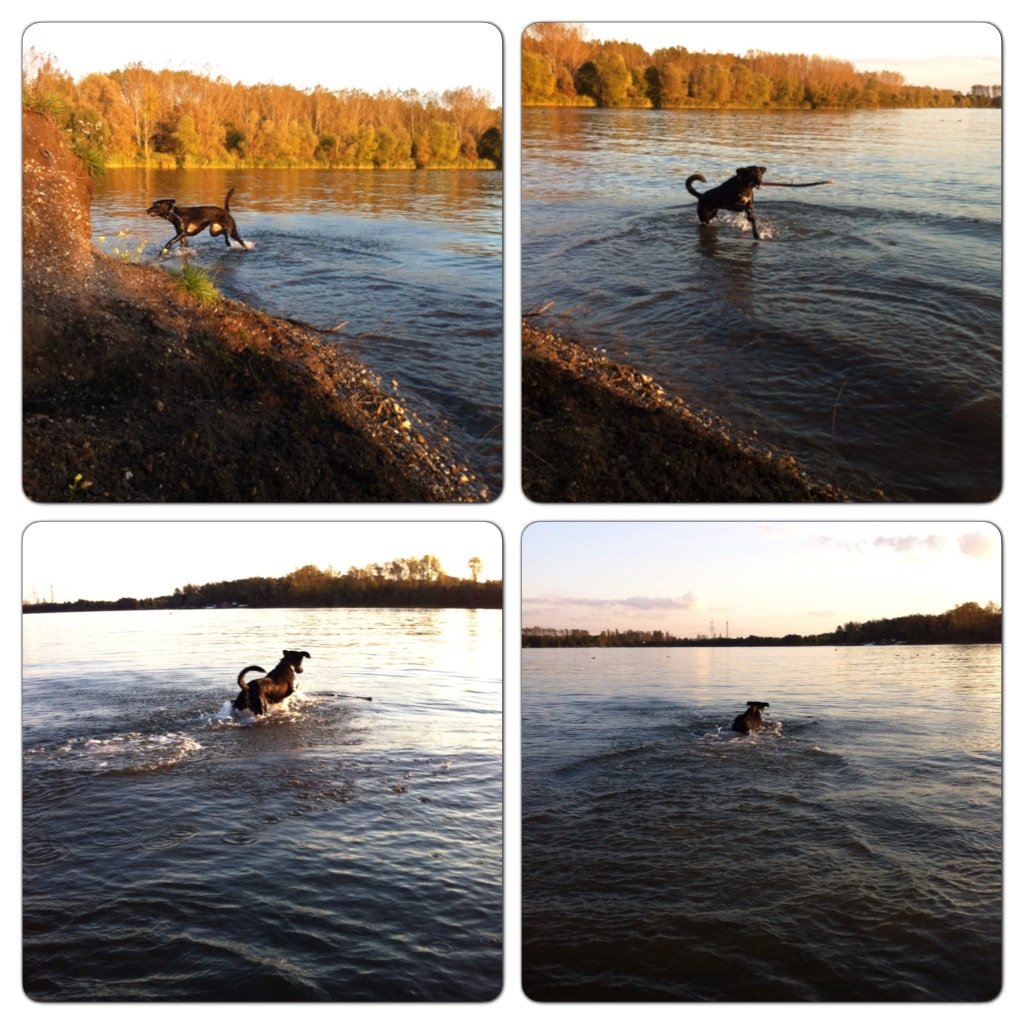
<point x="190" y="220"/>
<point x="751" y="718"/>
<point x="736" y="194"/>
<point x="273" y="687"/>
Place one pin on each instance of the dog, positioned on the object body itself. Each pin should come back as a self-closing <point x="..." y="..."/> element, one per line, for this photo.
<point x="190" y="220"/>
<point x="736" y="194"/>
<point x="273" y="688"/>
<point x="751" y="718"/>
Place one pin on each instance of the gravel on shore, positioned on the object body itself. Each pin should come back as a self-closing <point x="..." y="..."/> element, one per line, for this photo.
<point x="599" y="431"/>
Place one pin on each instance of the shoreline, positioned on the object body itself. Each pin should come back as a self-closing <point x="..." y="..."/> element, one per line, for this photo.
<point x="599" y="431"/>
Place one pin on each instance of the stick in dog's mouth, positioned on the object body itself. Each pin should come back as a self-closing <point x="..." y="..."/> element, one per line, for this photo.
<point x="793" y="184"/>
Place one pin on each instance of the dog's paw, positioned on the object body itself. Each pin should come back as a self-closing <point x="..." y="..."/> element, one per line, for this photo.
<point x="249" y="245"/>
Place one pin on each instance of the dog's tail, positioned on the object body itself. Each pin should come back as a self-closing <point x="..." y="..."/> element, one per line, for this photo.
<point x="249" y="668"/>
<point x="689" y="184"/>
<point x="227" y="208"/>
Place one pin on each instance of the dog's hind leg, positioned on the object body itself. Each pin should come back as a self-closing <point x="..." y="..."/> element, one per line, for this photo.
<point x="230" y="228"/>
<point x="257" y="705"/>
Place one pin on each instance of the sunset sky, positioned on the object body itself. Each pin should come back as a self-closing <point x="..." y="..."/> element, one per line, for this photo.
<point x="371" y="57"/>
<point x="765" y="579"/>
<point x="106" y="561"/>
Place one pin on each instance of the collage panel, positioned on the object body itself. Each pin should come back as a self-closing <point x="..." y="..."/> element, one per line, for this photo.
<point x="743" y="277"/>
<point x="276" y="282"/>
<point x="249" y="776"/>
<point x="762" y="762"/>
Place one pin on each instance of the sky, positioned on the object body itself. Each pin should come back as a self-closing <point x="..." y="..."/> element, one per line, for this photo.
<point x="106" y="561"/>
<point x="943" y="55"/>
<point x="372" y="57"/>
<point x="764" y="579"/>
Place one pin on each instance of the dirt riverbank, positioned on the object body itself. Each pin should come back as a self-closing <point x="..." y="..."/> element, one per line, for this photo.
<point x="599" y="431"/>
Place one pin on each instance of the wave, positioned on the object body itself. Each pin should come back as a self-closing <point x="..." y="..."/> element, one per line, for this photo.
<point x="127" y="752"/>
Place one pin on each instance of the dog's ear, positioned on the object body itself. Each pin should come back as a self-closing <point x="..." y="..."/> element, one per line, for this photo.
<point x="305" y="654"/>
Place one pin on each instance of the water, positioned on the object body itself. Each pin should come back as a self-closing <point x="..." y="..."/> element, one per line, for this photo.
<point x="863" y="335"/>
<point x="336" y="849"/>
<point x="410" y="261"/>
<point x="851" y="851"/>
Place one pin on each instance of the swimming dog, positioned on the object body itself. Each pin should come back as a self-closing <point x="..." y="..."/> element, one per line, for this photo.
<point x="273" y="687"/>
<point x="190" y="220"/>
<point x="751" y="718"/>
<point x="736" y="194"/>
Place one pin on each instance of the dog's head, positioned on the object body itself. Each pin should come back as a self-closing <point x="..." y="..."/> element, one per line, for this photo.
<point x="751" y="175"/>
<point x="755" y="707"/>
<point x="294" y="658"/>
<point x="162" y="208"/>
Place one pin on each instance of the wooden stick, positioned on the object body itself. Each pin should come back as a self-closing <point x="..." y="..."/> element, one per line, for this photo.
<point x="789" y="184"/>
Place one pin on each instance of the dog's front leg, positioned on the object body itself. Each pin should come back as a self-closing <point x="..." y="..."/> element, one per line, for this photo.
<point x="181" y="236"/>
<point x="753" y="223"/>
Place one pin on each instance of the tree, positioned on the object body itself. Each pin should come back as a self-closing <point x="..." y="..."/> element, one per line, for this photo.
<point x="538" y="82"/>
<point x="475" y="566"/>
<point x="489" y="147"/>
<point x="186" y="140"/>
<point x="564" y="44"/>
<point x="139" y="92"/>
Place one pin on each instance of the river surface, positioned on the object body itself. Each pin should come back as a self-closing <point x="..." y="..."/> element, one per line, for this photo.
<point x="864" y="334"/>
<point x="409" y="261"/>
<point x="336" y="849"/>
<point x="850" y="851"/>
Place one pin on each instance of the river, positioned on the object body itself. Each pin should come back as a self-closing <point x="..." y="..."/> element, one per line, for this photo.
<point x="863" y="334"/>
<point x="851" y="851"/>
<point x="340" y="848"/>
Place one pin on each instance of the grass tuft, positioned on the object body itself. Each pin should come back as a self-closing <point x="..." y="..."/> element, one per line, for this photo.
<point x="198" y="283"/>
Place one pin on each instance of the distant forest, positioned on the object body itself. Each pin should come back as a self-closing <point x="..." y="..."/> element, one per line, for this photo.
<point x="562" y="67"/>
<point x="965" y="624"/>
<point x="135" y="117"/>
<point x="402" y="583"/>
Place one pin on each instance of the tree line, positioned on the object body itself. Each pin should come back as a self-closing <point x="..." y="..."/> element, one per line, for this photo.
<point x="401" y="583"/>
<point x="135" y="117"/>
<point x="560" y="66"/>
<point x="967" y="623"/>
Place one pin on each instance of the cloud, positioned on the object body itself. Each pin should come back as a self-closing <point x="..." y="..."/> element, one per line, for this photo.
<point x="688" y="602"/>
<point x="911" y="544"/>
<point x="976" y="545"/>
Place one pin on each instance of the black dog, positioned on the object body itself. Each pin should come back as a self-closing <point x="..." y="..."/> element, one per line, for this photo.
<point x="190" y="220"/>
<point x="751" y="718"/>
<point x="273" y="687"/>
<point x="736" y="194"/>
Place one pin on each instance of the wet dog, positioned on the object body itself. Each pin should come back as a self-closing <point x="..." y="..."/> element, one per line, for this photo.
<point x="751" y="718"/>
<point x="273" y="687"/>
<point x="736" y="194"/>
<point x="190" y="220"/>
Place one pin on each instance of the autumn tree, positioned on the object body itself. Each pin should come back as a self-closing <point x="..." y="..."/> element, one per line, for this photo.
<point x="565" y="46"/>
